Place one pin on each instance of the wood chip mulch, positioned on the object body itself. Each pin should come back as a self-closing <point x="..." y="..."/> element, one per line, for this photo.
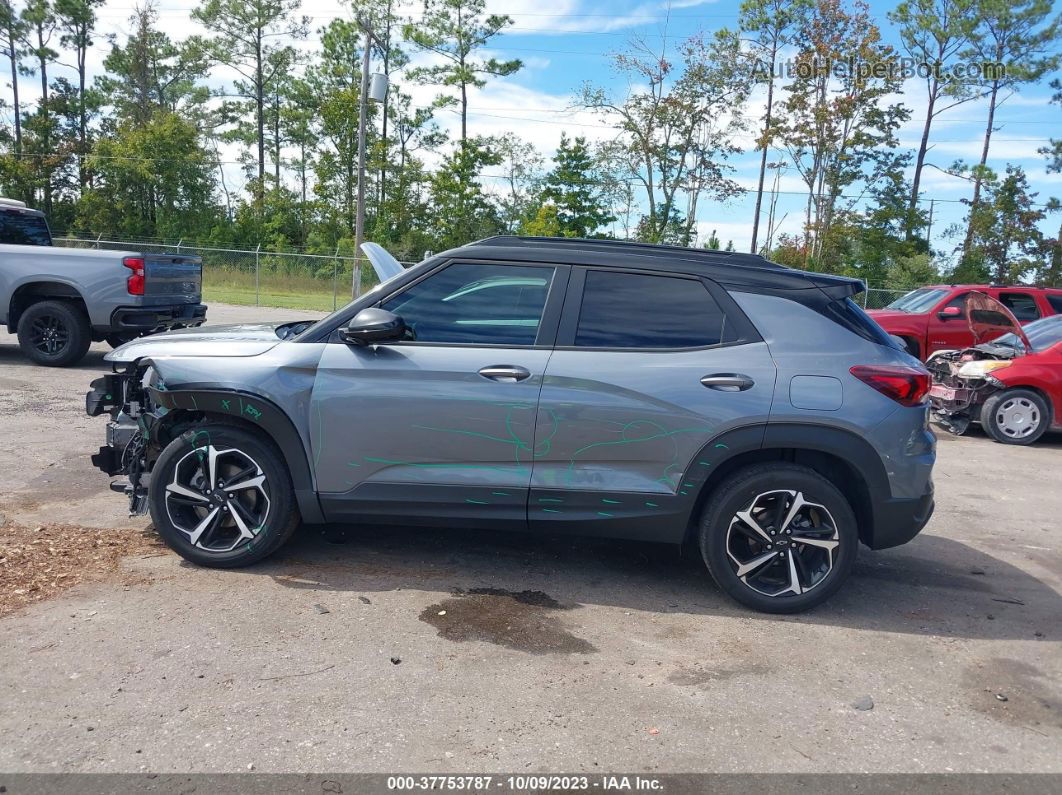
<point x="37" y="563"/>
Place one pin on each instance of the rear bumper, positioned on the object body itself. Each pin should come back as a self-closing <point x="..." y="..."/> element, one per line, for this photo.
<point x="157" y="318"/>
<point x="897" y="521"/>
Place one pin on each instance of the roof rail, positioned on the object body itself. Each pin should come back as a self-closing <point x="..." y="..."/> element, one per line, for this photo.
<point x="731" y="257"/>
<point x="11" y="202"/>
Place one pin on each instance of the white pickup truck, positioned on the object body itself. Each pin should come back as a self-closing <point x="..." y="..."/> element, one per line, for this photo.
<point x="59" y="300"/>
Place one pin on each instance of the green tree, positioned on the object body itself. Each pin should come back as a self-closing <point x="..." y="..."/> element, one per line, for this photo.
<point x="768" y="26"/>
<point x="463" y="212"/>
<point x="454" y="30"/>
<point x="675" y="128"/>
<point x="12" y="34"/>
<point x="521" y="166"/>
<point x="77" y="22"/>
<point x="1017" y="42"/>
<point x="1007" y="244"/>
<point x="572" y="187"/>
<point x="246" y="38"/>
<point x="836" y="121"/>
<point x="40" y="26"/>
<point x="150" y="180"/>
<point x="935" y="34"/>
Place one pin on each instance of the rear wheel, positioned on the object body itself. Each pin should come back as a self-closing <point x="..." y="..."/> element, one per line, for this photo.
<point x="1015" y="416"/>
<point x="221" y="496"/>
<point x="779" y="538"/>
<point x="54" y="333"/>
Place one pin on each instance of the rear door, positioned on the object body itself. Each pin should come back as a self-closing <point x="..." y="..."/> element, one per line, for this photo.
<point x="1021" y="303"/>
<point x="648" y="369"/>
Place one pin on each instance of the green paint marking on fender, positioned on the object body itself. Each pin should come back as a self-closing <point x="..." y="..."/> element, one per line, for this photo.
<point x="683" y="492"/>
<point x="606" y="515"/>
<point x="252" y="411"/>
<point x="477" y="502"/>
<point x="500" y="493"/>
<point x="352" y="464"/>
<point x="704" y="463"/>
<point x="612" y="502"/>
<point x="225" y="405"/>
<point x="549" y="499"/>
<point x="652" y="505"/>
<point x="722" y="446"/>
<point x="550" y="510"/>
<point x="107" y="397"/>
<point x="194" y="404"/>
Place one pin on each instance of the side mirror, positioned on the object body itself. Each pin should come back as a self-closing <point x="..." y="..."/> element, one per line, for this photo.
<point x="948" y="312"/>
<point x="371" y="326"/>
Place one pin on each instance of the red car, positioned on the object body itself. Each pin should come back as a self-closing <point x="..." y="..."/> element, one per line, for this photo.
<point x="931" y="318"/>
<point x="1011" y="383"/>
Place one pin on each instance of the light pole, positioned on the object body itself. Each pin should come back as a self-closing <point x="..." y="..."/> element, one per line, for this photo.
<point x="379" y="89"/>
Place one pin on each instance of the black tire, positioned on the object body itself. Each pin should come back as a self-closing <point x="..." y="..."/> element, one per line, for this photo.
<point x="54" y="333"/>
<point x="819" y="571"/>
<point x="117" y="340"/>
<point x="185" y="459"/>
<point x="1028" y="403"/>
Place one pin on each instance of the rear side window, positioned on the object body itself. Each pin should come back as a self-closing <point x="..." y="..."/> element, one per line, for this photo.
<point x="851" y="315"/>
<point x="1055" y="301"/>
<point x="23" y="229"/>
<point x="632" y="310"/>
<point x="1021" y="305"/>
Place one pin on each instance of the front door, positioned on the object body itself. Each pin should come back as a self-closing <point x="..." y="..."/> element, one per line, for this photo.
<point x="649" y="369"/>
<point x="441" y="425"/>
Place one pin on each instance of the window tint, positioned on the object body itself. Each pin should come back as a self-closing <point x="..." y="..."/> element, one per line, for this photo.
<point x="476" y="304"/>
<point x="631" y="310"/>
<point x="1056" y="302"/>
<point x="1021" y="305"/>
<point x="23" y="229"/>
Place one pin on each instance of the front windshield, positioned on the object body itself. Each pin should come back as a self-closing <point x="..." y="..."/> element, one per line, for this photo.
<point x="1042" y="335"/>
<point x="917" y="301"/>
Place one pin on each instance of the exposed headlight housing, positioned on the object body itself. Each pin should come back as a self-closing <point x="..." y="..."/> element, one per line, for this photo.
<point x="981" y="367"/>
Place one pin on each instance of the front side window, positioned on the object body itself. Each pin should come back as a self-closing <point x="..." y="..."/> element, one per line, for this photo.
<point x="476" y="304"/>
<point x="917" y="301"/>
<point x="633" y="310"/>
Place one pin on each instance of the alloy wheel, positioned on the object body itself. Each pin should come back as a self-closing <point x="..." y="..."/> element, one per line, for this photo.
<point x="782" y="544"/>
<point x="1017" y="417"/>
<point x="219" y="498"/>
<point x="49" y="335"/>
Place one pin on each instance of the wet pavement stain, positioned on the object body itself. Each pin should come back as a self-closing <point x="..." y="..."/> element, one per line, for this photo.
<point x="521" y="620"/>
<point x="696" y="676"/>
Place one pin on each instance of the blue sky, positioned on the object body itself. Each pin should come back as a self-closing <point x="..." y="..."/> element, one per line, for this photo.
<point x="569" y="41"/>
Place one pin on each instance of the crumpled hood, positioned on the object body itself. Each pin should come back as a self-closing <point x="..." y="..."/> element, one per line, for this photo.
<point x="249" y="339"/>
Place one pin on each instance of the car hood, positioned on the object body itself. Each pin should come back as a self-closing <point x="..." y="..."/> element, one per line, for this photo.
<point x="249" y="339"/>
<point x="989" y="319"/>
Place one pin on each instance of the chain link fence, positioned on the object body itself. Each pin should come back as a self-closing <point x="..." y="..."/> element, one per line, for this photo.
<point x="302" y="281"/>
<point x="258" y="277"/>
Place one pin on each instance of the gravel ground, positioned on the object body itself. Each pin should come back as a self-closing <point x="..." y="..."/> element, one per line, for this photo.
<point x="398" y="650"/>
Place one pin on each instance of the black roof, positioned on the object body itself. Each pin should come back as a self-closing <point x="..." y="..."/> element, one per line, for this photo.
<point x="733" y="269"/>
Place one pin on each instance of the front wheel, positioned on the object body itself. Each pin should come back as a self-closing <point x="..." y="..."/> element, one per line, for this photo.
<point x="778" y="537"/>
<point x="221" y="496"/>
<point x="1015" y="416"/>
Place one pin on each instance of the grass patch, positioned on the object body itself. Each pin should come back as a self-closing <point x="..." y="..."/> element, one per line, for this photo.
<point x="284" y="290"/>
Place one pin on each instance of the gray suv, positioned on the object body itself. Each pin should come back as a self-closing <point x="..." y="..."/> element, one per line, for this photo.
<point x="544" y="385"/>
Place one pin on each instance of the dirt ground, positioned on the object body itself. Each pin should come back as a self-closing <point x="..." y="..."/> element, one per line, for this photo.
<point x="456" y="651"/>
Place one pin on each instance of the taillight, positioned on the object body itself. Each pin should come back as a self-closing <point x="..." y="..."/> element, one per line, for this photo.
<point x="908" y="386"/>
<point x="135" y="283"/>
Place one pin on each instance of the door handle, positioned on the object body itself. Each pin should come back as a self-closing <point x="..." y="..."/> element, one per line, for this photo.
<point x="728" y="382"/>
<point x="506" y="373"/>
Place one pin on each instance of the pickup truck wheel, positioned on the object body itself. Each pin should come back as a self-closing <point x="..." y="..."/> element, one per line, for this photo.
<point x="778" y="537"/>
<point x="54" y="333"/>
<point x="1015" y="416"/>
<point x="221" y="496"/>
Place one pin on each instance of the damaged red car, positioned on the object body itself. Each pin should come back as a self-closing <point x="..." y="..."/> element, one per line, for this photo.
<point x="1009" y="380"/>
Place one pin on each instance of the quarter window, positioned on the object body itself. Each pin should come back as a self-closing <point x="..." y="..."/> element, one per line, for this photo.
<point x="474" y="304"/>
<point x="632" y="310"/>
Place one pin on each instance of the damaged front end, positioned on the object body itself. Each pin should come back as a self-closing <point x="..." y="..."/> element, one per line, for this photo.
<point x="962" y="379"/>
<point x="962" y="382"/>
<point x="132" y="442"/>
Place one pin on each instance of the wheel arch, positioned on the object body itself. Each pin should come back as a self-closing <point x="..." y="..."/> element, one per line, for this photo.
<point x="253" y="412"/>
<point x="843" y="458"/>
<point x="32" y="292"/>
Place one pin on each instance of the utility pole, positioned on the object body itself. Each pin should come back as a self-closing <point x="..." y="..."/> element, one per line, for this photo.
<point x="363" y="104"/>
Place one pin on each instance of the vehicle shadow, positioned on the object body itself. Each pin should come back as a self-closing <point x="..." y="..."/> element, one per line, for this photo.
<point x="932" y="586"/>
<point x="12" y="356"/>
